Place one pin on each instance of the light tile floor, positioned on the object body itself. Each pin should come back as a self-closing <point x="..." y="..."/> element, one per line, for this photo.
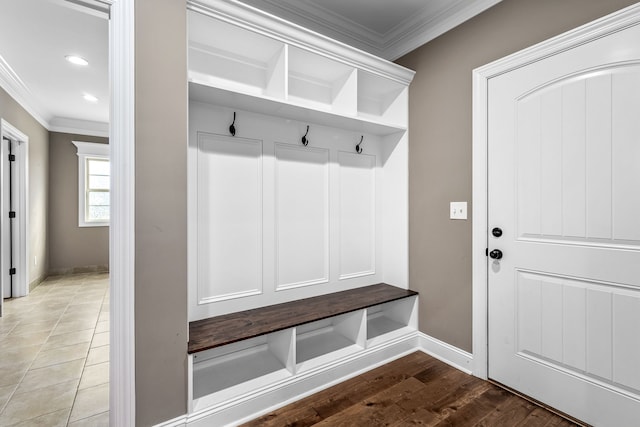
<point x="54" y="354"/>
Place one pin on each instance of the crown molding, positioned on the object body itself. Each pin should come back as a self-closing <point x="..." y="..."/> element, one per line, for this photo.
<point x="99" y="8"/>
<point x="18" y="90"/>
<point x="79" y="127"/>
<point x="422" y="28"/>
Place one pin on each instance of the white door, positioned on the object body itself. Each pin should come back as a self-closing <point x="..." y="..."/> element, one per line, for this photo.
<point x="564" y="188"/>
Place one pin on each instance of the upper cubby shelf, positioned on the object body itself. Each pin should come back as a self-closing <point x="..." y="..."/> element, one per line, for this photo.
<point x="321" y="83"/>
<point x="252" y="61"/>
<point x="380" y="98"/>
<point x="226" y="56"/>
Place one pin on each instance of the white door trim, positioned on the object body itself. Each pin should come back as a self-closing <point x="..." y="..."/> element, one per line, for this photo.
<point x="122" y="229"/>
<point x="581" y="35"/>
<point x="21" y="207"/>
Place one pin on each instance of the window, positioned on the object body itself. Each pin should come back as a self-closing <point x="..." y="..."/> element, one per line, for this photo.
<point x="94" y="183"/>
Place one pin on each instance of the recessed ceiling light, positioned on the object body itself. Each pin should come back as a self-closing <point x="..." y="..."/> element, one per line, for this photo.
<point x="89" y="97"/>
<point x="77" y="60"/>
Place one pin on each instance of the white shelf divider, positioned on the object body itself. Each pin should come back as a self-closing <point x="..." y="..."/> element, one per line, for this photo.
<point x="283" y="345"/>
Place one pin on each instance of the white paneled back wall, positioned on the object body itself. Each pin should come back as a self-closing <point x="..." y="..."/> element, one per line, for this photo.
<point x="272" y="220"/>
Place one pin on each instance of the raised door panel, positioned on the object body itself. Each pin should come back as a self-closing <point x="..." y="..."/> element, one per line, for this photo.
<point x="625" y="95"/>
<point x="598" y="157"/>
<point x="577" y="155"/>
<point x="583" y="327"/>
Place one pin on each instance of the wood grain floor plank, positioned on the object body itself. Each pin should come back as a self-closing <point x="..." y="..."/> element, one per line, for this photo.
<point x="365" y="414"/>
<point x="510" y="413"/>
<point x="299" y="417"/>
<point x="466" y="393"/>
<point x="418" y="417"/>
<point x="474" y="411"/>
<point x="539" y="417"/>
<point x="380" y="409"/>
<point x="333" y="405"/>
<point x="439" y="387"/>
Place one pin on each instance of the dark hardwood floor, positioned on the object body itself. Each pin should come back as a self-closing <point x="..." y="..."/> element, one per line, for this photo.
<point x="414" y="390"/>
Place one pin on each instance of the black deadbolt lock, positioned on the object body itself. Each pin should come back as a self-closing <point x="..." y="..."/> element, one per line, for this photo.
<point x="497" y="232"/>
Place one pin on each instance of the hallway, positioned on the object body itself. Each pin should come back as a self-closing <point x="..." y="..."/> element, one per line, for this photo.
<point x="54" y="354"/>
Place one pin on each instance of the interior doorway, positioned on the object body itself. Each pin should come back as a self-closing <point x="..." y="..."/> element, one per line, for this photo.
<point x="14" y="208"/>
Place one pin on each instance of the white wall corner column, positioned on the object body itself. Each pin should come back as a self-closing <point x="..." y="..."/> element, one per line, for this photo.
<point x="122" y="232"/>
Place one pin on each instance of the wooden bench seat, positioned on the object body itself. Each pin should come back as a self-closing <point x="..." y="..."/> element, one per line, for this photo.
<point x="229" y="328"/>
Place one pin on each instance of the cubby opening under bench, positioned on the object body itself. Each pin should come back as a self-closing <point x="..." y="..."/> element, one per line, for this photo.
<point x="279" y="353"/>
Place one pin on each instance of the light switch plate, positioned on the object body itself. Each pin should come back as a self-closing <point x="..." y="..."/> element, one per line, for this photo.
<point x="458" y="210"/>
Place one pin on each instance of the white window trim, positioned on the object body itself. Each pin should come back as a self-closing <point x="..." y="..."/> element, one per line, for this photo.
<point x="88" y="150"/>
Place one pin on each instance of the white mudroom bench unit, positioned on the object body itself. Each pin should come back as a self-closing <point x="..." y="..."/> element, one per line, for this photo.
<point x="298" y="212"/>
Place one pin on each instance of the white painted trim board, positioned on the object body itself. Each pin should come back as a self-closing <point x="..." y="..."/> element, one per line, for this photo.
<point x="122" y="229"/>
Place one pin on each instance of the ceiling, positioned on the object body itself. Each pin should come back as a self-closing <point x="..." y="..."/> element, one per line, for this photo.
<point x="36" y="35"/>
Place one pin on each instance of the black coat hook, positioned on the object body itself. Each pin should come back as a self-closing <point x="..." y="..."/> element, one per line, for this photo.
<point x="305" y="140"/>
<point x="358" y="148"/>
<point x="232" y="128"/>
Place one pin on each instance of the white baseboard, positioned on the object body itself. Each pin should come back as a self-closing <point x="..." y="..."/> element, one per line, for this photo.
<point x="176" y="422"/>
<point x="249" y="407"/>
<point x="447" y="353"/>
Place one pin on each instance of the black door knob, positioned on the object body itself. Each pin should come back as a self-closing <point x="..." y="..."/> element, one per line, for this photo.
<point x="497" y="232"/>
<point x="496" y="254"/>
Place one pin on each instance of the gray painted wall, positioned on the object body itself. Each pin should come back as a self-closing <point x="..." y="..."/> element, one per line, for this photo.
<point x="71" y="247"/>
<point x="12" y="112"/>
<point x="161" y="210"/>
<point x="440" y="146"/>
